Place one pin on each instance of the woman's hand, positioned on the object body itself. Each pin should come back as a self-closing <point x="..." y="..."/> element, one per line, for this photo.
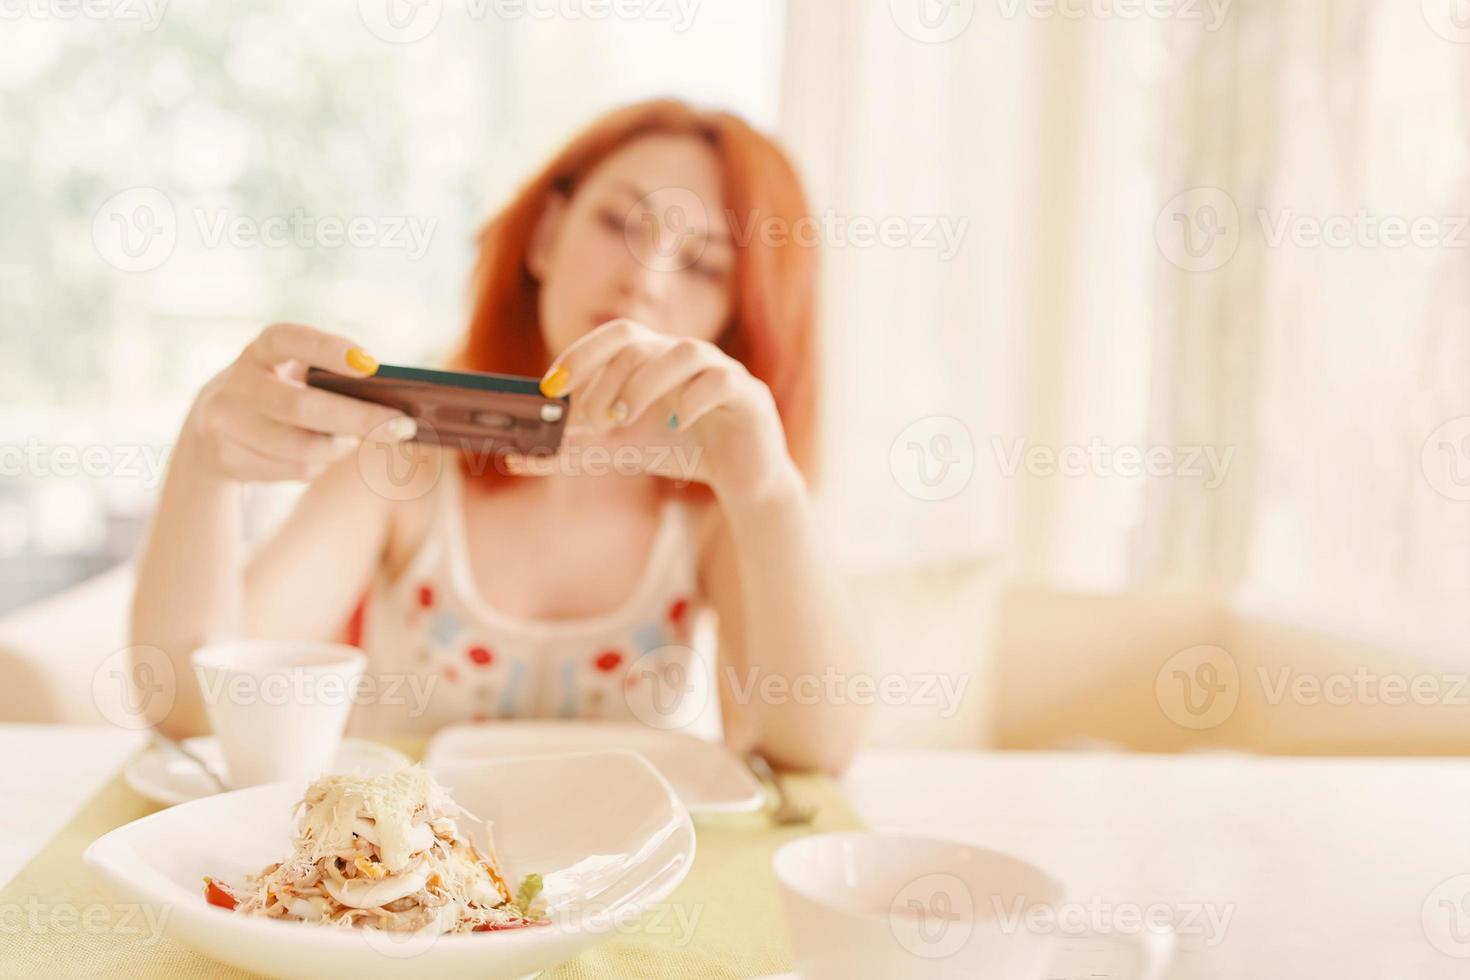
<point x="690" y="410"/>
<point x="257" y="419"/>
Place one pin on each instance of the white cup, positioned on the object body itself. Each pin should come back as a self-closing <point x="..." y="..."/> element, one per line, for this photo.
<point x="865" y="906"/>
<point x="278" y="707"/>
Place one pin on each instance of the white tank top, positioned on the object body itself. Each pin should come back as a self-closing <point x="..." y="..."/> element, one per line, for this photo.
<point x="453" y="657"/>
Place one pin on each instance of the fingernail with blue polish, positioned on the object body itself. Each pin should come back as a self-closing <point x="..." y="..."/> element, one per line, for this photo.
<point x="674" y="421"/>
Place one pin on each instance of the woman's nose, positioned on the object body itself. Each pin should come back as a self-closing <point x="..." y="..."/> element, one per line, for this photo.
<point x="646" y="276"/>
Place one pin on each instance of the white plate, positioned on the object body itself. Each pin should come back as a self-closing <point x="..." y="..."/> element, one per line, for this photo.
<point x="164" y="776"/>
<point x="604" y="829"/>
<point x="707" y="776"/>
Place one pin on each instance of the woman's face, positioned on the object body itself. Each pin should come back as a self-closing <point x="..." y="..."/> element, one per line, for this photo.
<point x="644" y="236"/>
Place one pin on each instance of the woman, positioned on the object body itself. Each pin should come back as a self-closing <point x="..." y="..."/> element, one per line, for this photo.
<point x="637" y="274"/>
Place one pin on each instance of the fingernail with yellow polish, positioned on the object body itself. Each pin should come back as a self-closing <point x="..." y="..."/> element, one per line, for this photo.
<point x="554" y="383"/>
<point x="618" y="413"/>
<point x="360" y="360"/>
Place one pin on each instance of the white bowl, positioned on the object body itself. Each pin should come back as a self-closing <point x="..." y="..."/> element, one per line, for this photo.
<point x="865" y="906"/>
<point x="604" y="830"/>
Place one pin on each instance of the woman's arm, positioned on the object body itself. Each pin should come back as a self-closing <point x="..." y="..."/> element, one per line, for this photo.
<point x="695" y="413"/>
<point x="782" y="615"/>
<point x="257" y="421"/>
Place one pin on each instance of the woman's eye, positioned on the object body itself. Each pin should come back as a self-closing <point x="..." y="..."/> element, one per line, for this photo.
<point x="710" y="272"/>
<point x="611" y="220"/>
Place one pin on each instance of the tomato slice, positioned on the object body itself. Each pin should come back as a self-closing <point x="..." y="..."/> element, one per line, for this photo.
<point x="215" y="895"/>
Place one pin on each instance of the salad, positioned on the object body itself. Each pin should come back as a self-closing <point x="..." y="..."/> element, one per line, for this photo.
<point x="385" y="852"/>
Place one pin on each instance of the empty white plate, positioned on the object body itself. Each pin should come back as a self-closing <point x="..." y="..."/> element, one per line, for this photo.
<point x="708" y="777"/>
<point x="604" y="830"/>
<point x="164" y="776"/>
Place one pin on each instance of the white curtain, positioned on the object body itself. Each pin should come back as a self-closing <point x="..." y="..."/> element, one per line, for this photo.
<point x="1333" y="348"/>
<point x="1301" y="400"/>
<point x="1036" y="139"/>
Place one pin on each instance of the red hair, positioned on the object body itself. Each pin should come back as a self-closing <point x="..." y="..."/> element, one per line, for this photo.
<point x="772" y="321"/>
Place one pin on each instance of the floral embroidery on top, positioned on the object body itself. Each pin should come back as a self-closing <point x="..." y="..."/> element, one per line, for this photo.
<point x="650" y="636"/>
<point x="431" y="620"/>
<point x="443" y="628"/>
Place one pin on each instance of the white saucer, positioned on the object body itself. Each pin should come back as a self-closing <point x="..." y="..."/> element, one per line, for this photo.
<point x="164" y="776"/>
<point x="1083" y="958"/>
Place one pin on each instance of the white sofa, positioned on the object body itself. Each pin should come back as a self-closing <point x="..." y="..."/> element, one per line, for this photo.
<point x="51" y="653"/>
<point x="1039" y="668"/>
<point x="54" y="664"/>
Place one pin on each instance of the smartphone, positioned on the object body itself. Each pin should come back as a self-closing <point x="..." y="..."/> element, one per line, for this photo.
<point x="461" y="409"/>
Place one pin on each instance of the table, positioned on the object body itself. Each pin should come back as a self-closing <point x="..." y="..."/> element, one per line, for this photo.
<point x="1351" y="869"/>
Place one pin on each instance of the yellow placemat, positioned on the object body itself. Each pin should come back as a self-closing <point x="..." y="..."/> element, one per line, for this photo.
<point x="724" y="920"/>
